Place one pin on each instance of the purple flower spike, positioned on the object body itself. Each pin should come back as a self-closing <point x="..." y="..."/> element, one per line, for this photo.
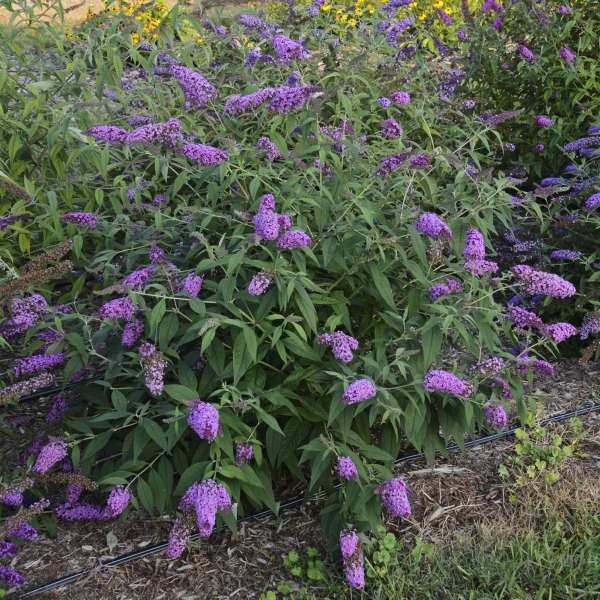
<point x="118" y="500"/>
<point x="243" y="454"/>
<point x="294" y="239"/>
<point x="352" y="554"/>
<point x="560" y="332"/>
<point x="540" y="282"/>
<point x="394" y="497"/>
<point x="341" y="344"/>
<point x="346" y="468"/>
<point x="431" y="225"/>
<point x="107" y="133"/>
<point x="359" y="390"/>
<point x="442" y="381"/>
<point x="259" y="283"/>
<point x="49" y="455"/>
<point x="81" y="219"/>
<point x="204" y="420"/>
<point x="543" y="121"/>
<point x="402" y="98"/>
<point x="474" y="245"/>
<point x="496" y="416"/>
<point x="203" y="155"/>
<point x="287" y="49"/>
<point x="391" y="129"/>
<point x="196" y="89"/>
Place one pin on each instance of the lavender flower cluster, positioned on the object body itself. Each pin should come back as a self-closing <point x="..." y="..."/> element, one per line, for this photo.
<point x="352" y="555"/>
<point x="438" y="380"/>
<point x="341" y="344"/>
<point x="203" y="418"/>
<point x="203" y="499"/>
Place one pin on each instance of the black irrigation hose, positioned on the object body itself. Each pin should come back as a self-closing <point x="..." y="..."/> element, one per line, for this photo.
<point x="54" y="390"/>
<point x="125" y="558"/>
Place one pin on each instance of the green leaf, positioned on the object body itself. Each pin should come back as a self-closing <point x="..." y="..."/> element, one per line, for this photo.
<point x="180" y="392"/>
<point x="167" y="330"/>
<point x="157" y="314"/>
<point x="241" y="357"/>
<point x="155" y="432"/>
<point x="192" y="474"/>
<point x="306" y="306"/>
<point x="382" y="285"/>
<point x="144" y="493"/>
<point x="251" y="342"/>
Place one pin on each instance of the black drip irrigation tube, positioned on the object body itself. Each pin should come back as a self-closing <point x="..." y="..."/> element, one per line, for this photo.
<point x="53" y="390"/>
<point x="125" y="558"/>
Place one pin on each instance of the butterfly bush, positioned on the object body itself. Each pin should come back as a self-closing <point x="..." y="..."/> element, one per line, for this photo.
<point x="201" y="309"/>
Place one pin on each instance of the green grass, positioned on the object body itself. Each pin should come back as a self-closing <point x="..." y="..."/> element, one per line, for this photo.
<point x="561" y="562"/>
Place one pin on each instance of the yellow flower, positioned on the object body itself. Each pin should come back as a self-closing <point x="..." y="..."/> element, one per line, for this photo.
<point x="326" y="7"/>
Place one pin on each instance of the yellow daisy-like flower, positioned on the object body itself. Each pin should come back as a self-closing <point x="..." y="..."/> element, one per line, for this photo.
<point x="326" y="7"/>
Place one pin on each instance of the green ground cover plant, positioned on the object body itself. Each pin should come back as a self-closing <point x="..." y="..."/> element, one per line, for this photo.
<point x="277" y="257"/>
